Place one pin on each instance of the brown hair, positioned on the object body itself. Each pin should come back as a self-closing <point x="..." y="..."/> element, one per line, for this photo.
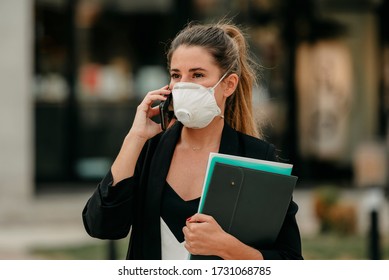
<point x="227" y="44"/>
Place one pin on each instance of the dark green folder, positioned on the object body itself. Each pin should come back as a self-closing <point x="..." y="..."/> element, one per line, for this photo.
<point x="249" y="204"/>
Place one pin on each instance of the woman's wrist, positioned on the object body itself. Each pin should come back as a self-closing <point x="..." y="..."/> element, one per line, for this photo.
<point x="234" y="249"/>
<point x="134" y="138"/>
<point x="124" y="164"/>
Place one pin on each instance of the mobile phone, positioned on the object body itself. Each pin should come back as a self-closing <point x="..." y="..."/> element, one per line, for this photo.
<point x="166" y="112"/>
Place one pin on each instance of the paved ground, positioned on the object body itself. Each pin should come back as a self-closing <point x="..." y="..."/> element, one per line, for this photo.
<point x="48" y="221"/>
<point x="55" y="219"/>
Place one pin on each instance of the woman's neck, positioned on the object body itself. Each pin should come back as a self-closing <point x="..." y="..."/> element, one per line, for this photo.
<point x="204" y="138"/>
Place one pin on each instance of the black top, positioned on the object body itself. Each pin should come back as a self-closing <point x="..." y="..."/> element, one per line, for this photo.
<point x="135" y="203"/>
<point x="175" y="211"/>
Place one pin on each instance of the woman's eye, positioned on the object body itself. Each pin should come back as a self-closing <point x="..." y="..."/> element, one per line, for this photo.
<point x="175" y="76"/>
<point x="198" y="75"/>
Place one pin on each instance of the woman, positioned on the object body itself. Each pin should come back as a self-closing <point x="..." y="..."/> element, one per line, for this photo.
<point x="155" y="183"/>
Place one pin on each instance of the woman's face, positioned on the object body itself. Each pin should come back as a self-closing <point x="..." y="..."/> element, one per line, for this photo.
<point x="196" y="65"/>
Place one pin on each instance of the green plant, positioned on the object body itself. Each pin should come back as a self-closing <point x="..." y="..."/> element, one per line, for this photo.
<point x="333" y="214"/>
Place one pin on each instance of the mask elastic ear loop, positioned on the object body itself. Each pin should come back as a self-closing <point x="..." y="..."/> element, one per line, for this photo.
<point x="221" y="79"/>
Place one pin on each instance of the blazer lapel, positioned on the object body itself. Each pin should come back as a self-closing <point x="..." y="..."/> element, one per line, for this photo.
<point x="159" y="169"/>
<point x="229" y="143"/>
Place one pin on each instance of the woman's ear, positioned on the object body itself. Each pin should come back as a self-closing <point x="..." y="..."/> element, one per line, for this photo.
<point x="230" y="84"/>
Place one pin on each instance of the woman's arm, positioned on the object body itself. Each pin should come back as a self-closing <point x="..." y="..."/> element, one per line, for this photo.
<point x="204" y="236"/>
<point x="288" y="242"/>
<point x="125" y="162"/>
<point x="108" y="213"/>
<point x="103" y="213"/>
<point x="143" y="128"/>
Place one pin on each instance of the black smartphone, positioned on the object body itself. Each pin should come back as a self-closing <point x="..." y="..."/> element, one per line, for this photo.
<point x="166" y="111"/>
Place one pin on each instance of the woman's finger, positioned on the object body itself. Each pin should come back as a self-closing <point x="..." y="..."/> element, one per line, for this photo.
<point x="200" y="218"/>
<point x="154" y="111"/>
<point x="150" y="98"/>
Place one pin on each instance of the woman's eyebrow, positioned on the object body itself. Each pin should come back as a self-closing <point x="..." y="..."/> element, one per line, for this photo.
<point x="190" y="70"/>
<point x="197" y="69"/>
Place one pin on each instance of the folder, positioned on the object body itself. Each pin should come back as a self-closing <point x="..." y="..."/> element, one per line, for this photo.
<point x="249" y="198"/>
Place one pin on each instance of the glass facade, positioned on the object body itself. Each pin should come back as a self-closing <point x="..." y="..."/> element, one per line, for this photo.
<point x="94" y="61"/>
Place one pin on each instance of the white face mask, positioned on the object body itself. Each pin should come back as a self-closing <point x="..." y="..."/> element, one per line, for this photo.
<point x="195" y="105"/>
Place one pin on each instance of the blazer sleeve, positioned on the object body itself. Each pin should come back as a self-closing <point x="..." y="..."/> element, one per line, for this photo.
<point x="288" y="242"/>
<point x="108" y="212"/>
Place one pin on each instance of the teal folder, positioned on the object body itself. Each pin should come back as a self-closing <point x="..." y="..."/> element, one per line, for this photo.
<point x="249" y="198"/>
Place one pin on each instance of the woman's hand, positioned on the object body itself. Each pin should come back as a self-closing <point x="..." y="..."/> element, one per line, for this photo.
<point x="143" y="127"/>
<point x="204" y="236"/>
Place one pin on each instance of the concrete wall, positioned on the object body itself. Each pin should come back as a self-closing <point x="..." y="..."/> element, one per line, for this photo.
<point x="16" y="106"/>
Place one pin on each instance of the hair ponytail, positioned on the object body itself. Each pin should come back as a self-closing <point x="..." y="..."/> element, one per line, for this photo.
<point x="239" y="106"/>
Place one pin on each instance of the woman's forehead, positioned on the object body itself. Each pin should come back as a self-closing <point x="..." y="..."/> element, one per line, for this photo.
<point x="190" y="57"/>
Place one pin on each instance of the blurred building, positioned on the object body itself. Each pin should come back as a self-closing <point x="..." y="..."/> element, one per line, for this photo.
<point x="73" y="72"/>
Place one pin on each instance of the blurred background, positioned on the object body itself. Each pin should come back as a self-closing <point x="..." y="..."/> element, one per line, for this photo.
<point x="73" y="72"/>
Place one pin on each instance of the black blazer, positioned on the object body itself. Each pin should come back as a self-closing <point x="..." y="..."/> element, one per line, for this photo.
<point x="134" y="203"/>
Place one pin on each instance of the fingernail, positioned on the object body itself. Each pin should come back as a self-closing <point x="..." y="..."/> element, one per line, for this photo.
<point x="189" y="219"/>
